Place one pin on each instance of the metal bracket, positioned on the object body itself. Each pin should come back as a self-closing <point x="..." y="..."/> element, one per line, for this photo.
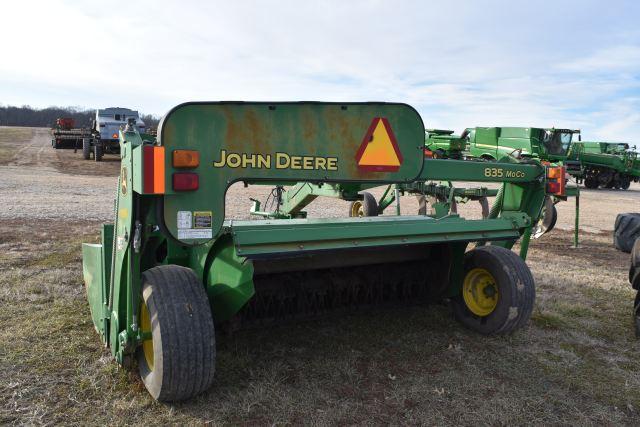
<point x="137" y="236"/>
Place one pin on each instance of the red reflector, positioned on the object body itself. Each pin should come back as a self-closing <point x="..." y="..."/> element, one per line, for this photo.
<point x="153" y="176"/>
<point x="428" y="153"/>
<point x="553" y="187"/>
<point x="556" y="180"/>
<point x="555" y="172"/>
<point x="185" y="181"/>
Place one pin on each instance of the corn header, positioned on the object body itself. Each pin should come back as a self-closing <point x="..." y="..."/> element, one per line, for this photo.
<point x="171" y="268"/>
<point x="606" y="164"/>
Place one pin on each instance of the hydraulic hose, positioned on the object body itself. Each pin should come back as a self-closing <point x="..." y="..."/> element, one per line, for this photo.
<point x="497" y="204"/>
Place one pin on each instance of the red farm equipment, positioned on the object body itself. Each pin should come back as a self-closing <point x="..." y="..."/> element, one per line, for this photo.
<point x="64" y="134"/>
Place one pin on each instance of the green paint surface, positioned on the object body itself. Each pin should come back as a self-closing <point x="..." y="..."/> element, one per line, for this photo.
<point x="264" y="134"/>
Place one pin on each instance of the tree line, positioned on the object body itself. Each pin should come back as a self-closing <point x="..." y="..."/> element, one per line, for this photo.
<point x="46" y="117"/>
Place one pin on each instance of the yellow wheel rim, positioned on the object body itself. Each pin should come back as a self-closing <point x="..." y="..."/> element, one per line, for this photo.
<point x="357" y="210"/>
<point x="480" y="292"/>
<point x="145" y="328"/>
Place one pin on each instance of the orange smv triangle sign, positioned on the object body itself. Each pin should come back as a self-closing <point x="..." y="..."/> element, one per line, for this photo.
<point x="379" y="150"/>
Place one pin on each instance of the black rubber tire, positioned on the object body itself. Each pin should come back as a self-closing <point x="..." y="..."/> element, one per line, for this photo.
<point x="183" y="334"/>
<point x="634" y="269"/>
<point x="604" y="179"/>
<point x="368" y="205"/>
<point x="616" y="181"/>
<point x="591" y="183"/>
<point x="97" y="152"/>
<point x="86" y="148"/>
<point x="516" y="290"/>
<point x="626" y="230"/>
<point x="625" y="182"/>
<point x="636" y="314"/>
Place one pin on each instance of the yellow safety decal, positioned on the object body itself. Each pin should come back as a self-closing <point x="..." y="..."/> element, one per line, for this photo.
<point x="379" y="150"/>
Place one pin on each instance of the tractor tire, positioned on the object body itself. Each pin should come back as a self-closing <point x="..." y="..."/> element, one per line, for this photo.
<point x="625" y="182"/>
<point x="97" y="152"/>
<point x="368" y="206"/>
<point x="86" y="149"/>
<point x="634" y="279"/>
<point x="626" y="230"/>
<point x="636" y="314"/>
<point x="605" y="179"/>
<point x="619" y="181"/>
<point x="497" y="293"/>
<point x="591" y="183"/>
<point x="634" y="270"/>
<point x="179" y="360"/>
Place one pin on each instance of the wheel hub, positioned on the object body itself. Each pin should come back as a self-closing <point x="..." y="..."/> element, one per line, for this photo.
<point x="357" y="209"/>
<point x="480" y="292"/>
<point x="145" y="327"/>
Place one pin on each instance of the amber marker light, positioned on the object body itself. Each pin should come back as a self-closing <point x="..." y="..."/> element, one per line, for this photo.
<point x="185" y="159"/>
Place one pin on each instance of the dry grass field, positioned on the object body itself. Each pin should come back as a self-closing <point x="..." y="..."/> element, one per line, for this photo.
<point x="577" y="363"/>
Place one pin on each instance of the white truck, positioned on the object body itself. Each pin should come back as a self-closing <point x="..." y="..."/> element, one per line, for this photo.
<point x="104" y="131"/>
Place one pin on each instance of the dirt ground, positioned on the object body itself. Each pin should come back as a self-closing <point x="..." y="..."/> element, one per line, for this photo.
<point x="576" y="363"/>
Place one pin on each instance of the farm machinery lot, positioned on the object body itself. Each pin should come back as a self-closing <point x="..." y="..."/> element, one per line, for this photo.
<point x="576" y="362"/>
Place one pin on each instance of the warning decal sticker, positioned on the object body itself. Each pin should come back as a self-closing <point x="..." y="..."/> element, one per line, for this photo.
<point x="379" y="150"/>
<point x="194" y="233"/>
<point x="184" y="219"/>
<point x="202" y="219"/>
<point x="194" y="225"/>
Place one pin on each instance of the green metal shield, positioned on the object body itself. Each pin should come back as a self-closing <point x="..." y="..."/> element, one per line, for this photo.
<point x="282" y="142"/>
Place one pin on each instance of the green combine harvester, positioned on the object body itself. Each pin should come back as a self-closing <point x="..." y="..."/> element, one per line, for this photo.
<point x="493" y="143"/>
<point x="171" y="268"/>
<point x="596" y="164"/>
<point x="606" y="164"/>
<point x="604" y="147"/>
<point x="443" y="144"/>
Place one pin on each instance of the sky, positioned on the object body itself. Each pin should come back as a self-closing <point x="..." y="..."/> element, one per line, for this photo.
<point x="568" y="64"/>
